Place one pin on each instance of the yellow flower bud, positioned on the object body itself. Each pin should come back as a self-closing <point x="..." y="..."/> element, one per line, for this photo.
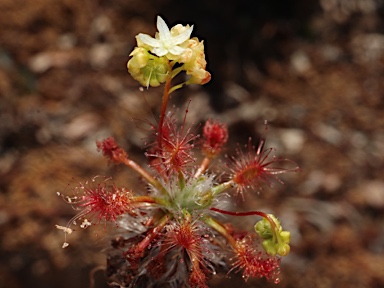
<point x="139" y="59"/>
<point x="283" y="250"/>
<point x="276" y="240"/>
<point x="147" y="69"/>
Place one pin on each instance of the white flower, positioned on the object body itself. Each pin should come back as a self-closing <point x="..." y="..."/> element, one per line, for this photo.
<point x="165" y="42"/>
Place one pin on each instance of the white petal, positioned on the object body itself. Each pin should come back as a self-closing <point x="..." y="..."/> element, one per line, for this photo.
<point x="146" y="39"/>
<point x="176" y="50"/>
<point x="183" y="36"/>
<point x="160" y="51"/>
<point x="164" y="33"/>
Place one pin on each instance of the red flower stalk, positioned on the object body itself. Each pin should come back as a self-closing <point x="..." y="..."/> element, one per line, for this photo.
<point x="111" y="150"/>
<point x="254" y="167"/>
<point x="215" y="135"/>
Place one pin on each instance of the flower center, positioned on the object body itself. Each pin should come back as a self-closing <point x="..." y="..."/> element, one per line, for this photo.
<point x="247" y="175"/>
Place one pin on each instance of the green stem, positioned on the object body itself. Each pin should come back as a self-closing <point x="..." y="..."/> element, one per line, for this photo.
<point x="222" y="187"/>
<point x="176" y="71"/>
<point x="221" y="229"/>
<point x="149" y="200"/>
<point x="187" y="216"/>
<point x="177" y="87"/>
<point x="203" y="167"/>
<point x="181" y="181"/>
<point x="133" y="165"/>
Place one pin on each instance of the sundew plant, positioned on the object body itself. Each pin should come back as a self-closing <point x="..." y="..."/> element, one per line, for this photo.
<point x="177" y="234"/>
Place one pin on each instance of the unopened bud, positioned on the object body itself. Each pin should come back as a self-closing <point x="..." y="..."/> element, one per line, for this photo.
<point x="276" y="240"/>
<point x="111" y="150"/>
<point x="215" y="135"/>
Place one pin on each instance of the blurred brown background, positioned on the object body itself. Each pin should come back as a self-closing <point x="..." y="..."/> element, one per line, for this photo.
<point x="313" y="69"/>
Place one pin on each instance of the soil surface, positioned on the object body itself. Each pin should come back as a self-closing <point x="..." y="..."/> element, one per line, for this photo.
<point x="313" y="69"/>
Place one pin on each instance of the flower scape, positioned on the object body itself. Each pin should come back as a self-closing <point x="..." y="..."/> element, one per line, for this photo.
<point x="176" y="234"/>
